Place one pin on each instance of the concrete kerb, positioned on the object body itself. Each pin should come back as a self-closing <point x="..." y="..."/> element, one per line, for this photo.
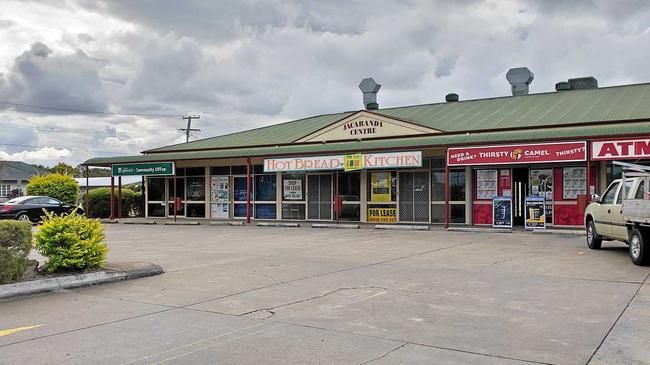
<point x="568" y="232"/>
<point x="398" y="227"/>
<point x="139" y="221"/>
<point x="181" y="223"/>
<point x="278" y="224"/>
<point x="334" y="225"/>
<point x="226" y="223"/>
<point x="113" y="272"/>
<point x="479" y="230"/>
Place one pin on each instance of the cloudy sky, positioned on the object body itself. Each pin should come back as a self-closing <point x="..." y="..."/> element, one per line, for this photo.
<point x="139" y="65"/>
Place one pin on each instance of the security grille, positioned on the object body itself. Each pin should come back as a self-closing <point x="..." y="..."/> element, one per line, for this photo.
<point x="319" y="197"/>
<point x="414" y="196"/>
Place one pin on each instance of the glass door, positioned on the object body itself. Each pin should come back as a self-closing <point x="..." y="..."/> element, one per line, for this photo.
<point x="180" y="194"/>
<point x="319" y="196"/>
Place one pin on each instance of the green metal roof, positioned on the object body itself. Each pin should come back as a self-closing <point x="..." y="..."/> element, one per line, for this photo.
<point x="607" y="104"/>
<point x="576" y="132"/>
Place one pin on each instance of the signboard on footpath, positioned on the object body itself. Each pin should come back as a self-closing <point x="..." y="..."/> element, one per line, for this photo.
<point x="624" y="149"/>
<point x="535" y="212"/>
<point x="143" y="169"/>
<point x="518" y="154"/>
<point x="407" y="159"/>
<point x="502" y="212"/>
<point x="382" y="215"/>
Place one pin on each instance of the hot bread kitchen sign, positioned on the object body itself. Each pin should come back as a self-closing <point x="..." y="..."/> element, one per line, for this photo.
<point x="517" y="154"/>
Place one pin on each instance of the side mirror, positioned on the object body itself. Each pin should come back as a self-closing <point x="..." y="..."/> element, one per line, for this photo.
<point x="595" y="198"/>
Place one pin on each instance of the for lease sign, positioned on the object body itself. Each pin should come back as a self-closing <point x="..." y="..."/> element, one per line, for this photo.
<point x="517" y="154"/>
<point x="321" y="163"/>
<point x="625" y="149"/>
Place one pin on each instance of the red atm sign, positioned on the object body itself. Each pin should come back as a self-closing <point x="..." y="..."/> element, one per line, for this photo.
<point x="516" y="154"/>
<point x="625" y="149"/>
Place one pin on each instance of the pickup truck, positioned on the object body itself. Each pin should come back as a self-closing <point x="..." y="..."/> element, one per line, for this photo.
<point x="623" y="213"/>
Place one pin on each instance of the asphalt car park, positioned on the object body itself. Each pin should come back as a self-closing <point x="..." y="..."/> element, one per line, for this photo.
<point x="242" y="294"/>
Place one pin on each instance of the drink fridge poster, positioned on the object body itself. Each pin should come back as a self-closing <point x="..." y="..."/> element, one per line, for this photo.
<point x="541" y="183"/>
<point x="502" y="212"/>
<point x="535" y="212"/>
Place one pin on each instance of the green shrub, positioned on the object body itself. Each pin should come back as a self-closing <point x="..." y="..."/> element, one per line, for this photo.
<point x="100" y="203"/>
<point x="58" y="186"/>
<point x="71" y="242"/>
<point x="15" y="244"/>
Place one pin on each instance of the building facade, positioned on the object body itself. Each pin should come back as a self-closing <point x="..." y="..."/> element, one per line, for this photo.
<point x="438" y="163"/>
<point x="14" y="176"/>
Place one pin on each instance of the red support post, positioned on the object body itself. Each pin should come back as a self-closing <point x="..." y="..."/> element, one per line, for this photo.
<point x="588" y="173"/>
<point x="175" y="197"/>
<point x="87" y="189"/>
<point x="112" y="198"/>
<point x="446" y="191"/>
<point x="119" y="197"/>
<point x="248" y="190"/>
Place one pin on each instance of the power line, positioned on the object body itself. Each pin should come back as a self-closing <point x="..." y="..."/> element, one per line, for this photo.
<point x="35" y="146"/>
<point x="81" y="111"/>
<point x="83" y="131"/>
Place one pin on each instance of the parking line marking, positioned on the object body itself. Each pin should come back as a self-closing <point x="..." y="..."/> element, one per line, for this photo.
<point x="11" y="331"/>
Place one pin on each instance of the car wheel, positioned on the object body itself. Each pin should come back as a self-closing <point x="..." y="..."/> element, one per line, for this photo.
<point x="638" y="249"/>
<point x="23" y="217"/>
<point x="593" y="239"/>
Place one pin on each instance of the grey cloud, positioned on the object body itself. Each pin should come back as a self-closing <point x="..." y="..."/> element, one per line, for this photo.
<point x="64" y="81"/>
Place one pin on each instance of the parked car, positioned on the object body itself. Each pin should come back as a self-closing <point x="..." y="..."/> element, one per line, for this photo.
<point x="622" y="214"/>
<point x="33" y="208"/>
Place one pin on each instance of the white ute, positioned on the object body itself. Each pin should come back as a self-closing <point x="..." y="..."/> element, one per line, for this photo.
<point x="623" y="213"/>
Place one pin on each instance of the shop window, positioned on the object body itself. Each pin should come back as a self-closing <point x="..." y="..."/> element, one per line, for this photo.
<point x="239" y="210"/>
<point x="179" y="211"/>
<point x="195" y="171"/>
<point x="457" y="213"/>
<point x="293" y="187"/>
<point x="258" y="169"/>
<point x="457" y="186"/>
<point x="195" y="210"/>
<point x="350" y="212"/>
<point x="239" y="188"/>
<point x="437" y="163"/>
<point x="437" y="185"/>
<point x="350" y="186"/>
<point x="264" y="211"/>
<point x="195" y="187"/>
<point x="437" y="213"/>
<point x="156" y="209"/>
<point x="265" y="188"/>
<point x="180" y="188"/>
<point x="239" y="170"/>
<point x="382" y="186"/>
<point x="293" y="211"/>
<point x="156" y="189"/>
<point x="180" y="171"/>
<point x="220" y="170"/>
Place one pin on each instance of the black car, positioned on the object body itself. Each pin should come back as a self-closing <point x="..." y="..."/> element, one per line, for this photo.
<point x="32" y="208"/>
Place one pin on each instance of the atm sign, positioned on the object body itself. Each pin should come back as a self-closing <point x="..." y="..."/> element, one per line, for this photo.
<point x="626" y="149"/>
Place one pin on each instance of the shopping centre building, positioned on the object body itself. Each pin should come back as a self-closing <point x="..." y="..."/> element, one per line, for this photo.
<point x="440" y="163"/>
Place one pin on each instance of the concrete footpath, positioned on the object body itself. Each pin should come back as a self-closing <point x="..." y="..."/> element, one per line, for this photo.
<point x="112" y="271"/>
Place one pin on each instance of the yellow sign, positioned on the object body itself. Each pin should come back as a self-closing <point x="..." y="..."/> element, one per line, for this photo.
<point x="382" y="215"/>
<point x="380" y="185"/>
<point x="353" y="162"/>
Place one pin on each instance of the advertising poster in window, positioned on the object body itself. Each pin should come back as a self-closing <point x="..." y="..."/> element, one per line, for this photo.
<point x="535" y="212"/>
<point x="502" y="212"/>
<point x="574" y="182"/>
<point x="486" y="184"/>
<point x="219" y="189"/>
<point x="541" y="183"/>
<point x="219" y="210"/>
<point x="292" y="189"/>
<point x="380" y="185"/>
<point x="382" y="215"/>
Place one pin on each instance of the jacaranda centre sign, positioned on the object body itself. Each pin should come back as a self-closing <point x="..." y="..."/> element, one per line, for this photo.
<point x="144" y="169"/>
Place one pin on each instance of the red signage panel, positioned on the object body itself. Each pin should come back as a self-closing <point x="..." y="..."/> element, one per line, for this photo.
<point x="622" y="149"/>
<point x="517" y="154"/>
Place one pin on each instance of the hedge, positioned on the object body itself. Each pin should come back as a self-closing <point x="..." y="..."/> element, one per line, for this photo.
<point x="15" y="244"/>
<point x="71" y="242"/>
<point x="100" y="203"/>
<point x="57" y="186"/>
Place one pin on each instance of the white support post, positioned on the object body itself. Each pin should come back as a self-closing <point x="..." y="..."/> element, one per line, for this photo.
<point x="278" y="196"/>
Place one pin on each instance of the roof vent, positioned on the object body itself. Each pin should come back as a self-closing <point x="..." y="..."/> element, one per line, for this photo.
<point x="451" y="97"/>
<point x="582" y="83"/>
<point x="519" y="79"/>
<point x="369" y="88"/>
<point x="563" y="86"/>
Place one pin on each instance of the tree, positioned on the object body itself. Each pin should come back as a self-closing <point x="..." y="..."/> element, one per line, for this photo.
<point x="92" y="172"/>
<point x="62" y="187"/>
<point x="63" y="169"/>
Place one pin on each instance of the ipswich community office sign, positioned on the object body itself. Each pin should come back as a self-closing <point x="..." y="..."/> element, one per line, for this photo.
<point x="144" y="169"/>
<point x="338" y="162"/>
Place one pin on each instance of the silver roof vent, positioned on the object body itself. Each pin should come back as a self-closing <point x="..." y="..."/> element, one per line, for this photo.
<point x="519" y="79"/>
<point x="369" y="87"/>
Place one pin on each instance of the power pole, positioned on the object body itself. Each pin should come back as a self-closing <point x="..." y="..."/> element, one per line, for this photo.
<point x="189" y="124"/>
